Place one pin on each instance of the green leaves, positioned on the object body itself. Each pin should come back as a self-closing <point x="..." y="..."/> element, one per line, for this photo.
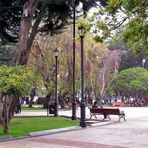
<point x="17" y="80"/>
<point x="126" y="19"/>
<point x="135" y="35"/>
<point x="103" y="32"/>
<point x="132" y="79"/>
<point x="83" y="24"/>
<point x="113" y="5"/>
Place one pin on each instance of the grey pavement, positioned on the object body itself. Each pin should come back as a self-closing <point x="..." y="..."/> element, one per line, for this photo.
<point x="108" y="134"/>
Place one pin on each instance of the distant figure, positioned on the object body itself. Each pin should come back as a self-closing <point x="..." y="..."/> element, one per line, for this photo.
<point x="95" y="105"/>
<point x="18" y="107"/>
<point x="32" y="95"/>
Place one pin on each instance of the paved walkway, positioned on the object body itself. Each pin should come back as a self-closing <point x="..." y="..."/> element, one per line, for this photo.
<point x="109" y="134"/>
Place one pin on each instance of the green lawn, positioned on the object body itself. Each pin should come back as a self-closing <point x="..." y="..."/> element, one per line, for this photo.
<point x="33" y="108"/>
<point x="21" y="126"/>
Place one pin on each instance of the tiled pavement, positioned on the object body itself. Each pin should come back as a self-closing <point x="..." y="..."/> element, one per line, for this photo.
<point x="110" y="134"/>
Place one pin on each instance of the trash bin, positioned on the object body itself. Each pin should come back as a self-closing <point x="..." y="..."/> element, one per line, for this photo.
<point x="51" y="109"/>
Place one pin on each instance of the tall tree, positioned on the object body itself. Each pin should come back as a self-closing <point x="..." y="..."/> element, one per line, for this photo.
<point x="132" y="81"/>
<point x="52" y="19"/>
<point x="14" y="83"/>
<point x="127" y="18"/>
<point x="51" y="14"/>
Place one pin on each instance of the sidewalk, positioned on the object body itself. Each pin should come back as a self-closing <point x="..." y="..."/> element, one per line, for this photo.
<point x="110" y="134"/>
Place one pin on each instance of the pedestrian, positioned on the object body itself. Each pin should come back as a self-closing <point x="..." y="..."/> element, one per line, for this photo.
<point x="95" y="104"/>
<point x="18" y="107"/>
<point x="32" y="95"/>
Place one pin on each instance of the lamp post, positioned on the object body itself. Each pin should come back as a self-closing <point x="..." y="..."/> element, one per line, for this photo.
<point x="74" y="99"/>
<point x="143" y="62"/>
<point x="82" y="104"/>
<point x="56" y="53"/>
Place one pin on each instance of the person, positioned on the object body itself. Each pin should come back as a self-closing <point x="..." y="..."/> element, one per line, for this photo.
<point x="95" y="105"/>
<point x="18" y="107"/>
<point x="32" y="95"/>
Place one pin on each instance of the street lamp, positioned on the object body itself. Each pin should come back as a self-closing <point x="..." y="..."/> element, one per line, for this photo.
<point x="143" y="62"/>
<point x="74" y="99"/>
<point x="82" y="104"/>
<point x="56" y="53"/>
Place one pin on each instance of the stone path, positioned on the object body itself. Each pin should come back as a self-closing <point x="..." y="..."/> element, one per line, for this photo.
<point x="109" y="134"/>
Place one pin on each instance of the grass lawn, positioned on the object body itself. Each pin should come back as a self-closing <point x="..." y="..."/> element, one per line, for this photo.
<point x="21" y="126"/>
<point x="33" y="108"/>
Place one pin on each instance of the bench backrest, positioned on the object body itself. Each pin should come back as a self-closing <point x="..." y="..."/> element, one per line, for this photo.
<point x="107" y="111"/>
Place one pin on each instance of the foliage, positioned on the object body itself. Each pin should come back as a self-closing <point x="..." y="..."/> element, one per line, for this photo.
<point x="83" y="24"/>
<point x="45" y="61"/>
<point x="51" y="88"/>
<point x="14" y="82"/>
<point x="10" y="16"/>
<point x="132" y="80"/>
<point x="96" y="58"/>
<point x="127" y="19"/>
<point x="135" y="35"/>
<point x="54" y="14"/>
<point x="17" y="80"/>
<point x="24" y="125"/>
<point x="130" y="60"/>
<point x="94" y="55"/>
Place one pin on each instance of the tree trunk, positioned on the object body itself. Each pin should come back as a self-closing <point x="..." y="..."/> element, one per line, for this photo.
<point x="62" y="100"/>
<point x="27" y="33"/>
<point x="5" y="127"/>
<point x="6" y="111"/>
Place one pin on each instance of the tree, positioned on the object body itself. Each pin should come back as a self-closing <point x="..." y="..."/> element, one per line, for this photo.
<point x="10" y="17"/>
<point x="132" y="27"/>
<point x="94" y="55"/>
<point x="109" y="71"/>
<point x="132" y="81"/>
<point x="52" y="15"/>
<point x="28" y="29"/>
<point x="129" y="59"/>
<point x="14" y="82"/>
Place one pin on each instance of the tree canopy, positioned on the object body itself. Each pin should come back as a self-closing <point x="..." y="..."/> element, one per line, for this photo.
<point x="37" y="16"/>
<point x="54" y="15"/>
<point x="132" y="80"/>
<point x="18" y="80"/>
<point x="125" y="18"/>
<point x="14" y="83"/>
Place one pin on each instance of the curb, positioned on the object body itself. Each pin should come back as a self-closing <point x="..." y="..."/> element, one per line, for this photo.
<point x="41" y="133"/>
<point x="54" y="131"/>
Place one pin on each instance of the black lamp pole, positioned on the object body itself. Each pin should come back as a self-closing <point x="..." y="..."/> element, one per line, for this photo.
<point x="82" y="104"/>
<point x="74" y="99"/>
<point x="56" y="52"/>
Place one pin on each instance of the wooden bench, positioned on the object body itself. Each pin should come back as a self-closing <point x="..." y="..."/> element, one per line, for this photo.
<point x="106" y="112"/>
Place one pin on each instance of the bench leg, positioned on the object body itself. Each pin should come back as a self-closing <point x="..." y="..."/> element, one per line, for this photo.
<point x="124" y="118"/>
<point x="106" y="116"/>
<point x="93" y="115"/>
<point x="90" y="116"/>
<point x="121" y="117"/>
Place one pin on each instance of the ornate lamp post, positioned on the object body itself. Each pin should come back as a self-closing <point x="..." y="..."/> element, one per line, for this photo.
<point x="56" y="53"/>
<point x="74" y="99"/>
<point x="82" y="104"/>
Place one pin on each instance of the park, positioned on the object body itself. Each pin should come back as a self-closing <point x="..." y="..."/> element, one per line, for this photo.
<point x="71" y="67"/>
